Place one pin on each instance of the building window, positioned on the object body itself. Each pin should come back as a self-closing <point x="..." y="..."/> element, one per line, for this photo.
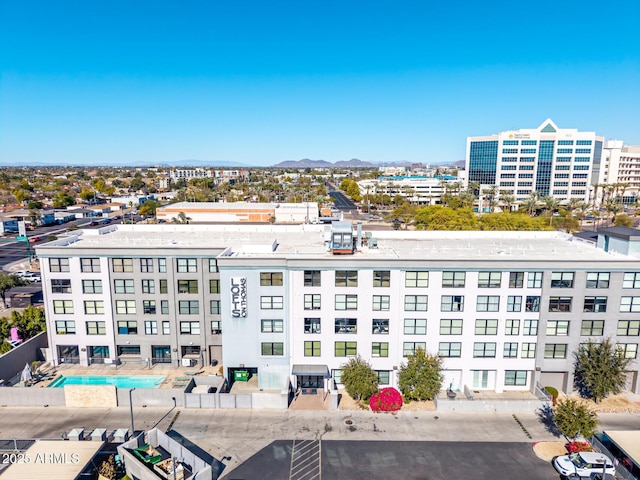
<point x="534" y="280"/>
<point x="530" y="327"/>
<point x="164" y="286"/>
<point x="345" y="349"/>
<point x="312" y="301"/>
<point x="213" y="265"/>
<point x="61" y="286"/>
<point x="336" y="373"/>
<point x="271" y="303"/>
<point x="271" y="326"/>
<point x="595" y="304"/>
<point x="188" y="307"/>
<point x="63" y="306"/>
<point x="214" y="307"/>
<point x="216" y="327"/>
<point x="271" y="279"/>
<point x="162" y="265"/>
<point x="381" y="278"/>
<point x="416" y="279"/>
<point x="93" y="307"/>
<point x="312" y="278"/>
<point x="346" y="278"/>
<point x="190" y="328"/>
<point x="166" y="327"/>
<point x="510" y="350"/>
<point x="488" y="303"/>
<point x="187" y="286"/>
<point x="65" y="327"/>
<point x="127" y="327"/>
<point x="380" y="326"/>
<point x="409" y="348"/>
<point x="379" y="349"/>
<point x="126" y="307"/>
<point x="128" y="350"/>
<point x="146" y="265"/>
<point x="381" y="302"/>
<point x="557" y="328"/>
<point x="560" y="304"/>
<point x="515" y="378"/>
<point x="58" y="265"/>
<point x="630" y="304"/>
<point x="516" y="279"/>
<point x="528" y="350"/>
<point x="453" y="279"/>
<point x="631" y="280"/>
<point x="415" y="326"/>
<point x="164" y="307"/>
<point x="149" y="307"/>
<point x="415" y="303"/>
<point x="555" y="350"/>
<point x="383" y="377"/>
<point x="450" y="349"/>
<point x="514" y="303"/>
<point x="148" y="286"/>
<point x="311" y="325"/>
<point x="451" y="326"/>
<point x="311" y="348"/>
<point x="96" y="328"/>
<point x="346" y="325"/>
<point x="150" y="327"/>
<point x="122" y="265"/>
<point x="486" y="327"/>
<point x="489" y="279"/>
<point x="452" y="303"/>
<point x="597" y="280"/>
<point x="187" y="265"/>
<point x="562" y="280"/>
<point x="627" y="350"/>
<point x="484" y="349"/>
<point x="532" y="304"/>
<point x="91" y="286"/>
<point x="123" y="286"/>
<point x="346" y="302"/>
<point x="629" y="328"/>
<point x="90" y="265"/>
<point x="512" y="327"/>
<point x="592" y="328"/>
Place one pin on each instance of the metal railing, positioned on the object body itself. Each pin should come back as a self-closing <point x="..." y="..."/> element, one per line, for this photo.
<point x="20" y="444"/>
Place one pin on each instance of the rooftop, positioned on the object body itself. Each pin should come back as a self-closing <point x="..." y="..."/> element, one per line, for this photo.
<point x="309" y="241"/>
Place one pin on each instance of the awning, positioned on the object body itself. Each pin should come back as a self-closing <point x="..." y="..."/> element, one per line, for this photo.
<point x="313" y="370"/>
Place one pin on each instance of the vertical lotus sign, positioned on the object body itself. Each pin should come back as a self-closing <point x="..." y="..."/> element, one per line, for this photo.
<point x="238" y="292"/>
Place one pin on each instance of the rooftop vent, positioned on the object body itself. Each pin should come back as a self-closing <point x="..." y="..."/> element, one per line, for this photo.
<point x="341" y="238"/>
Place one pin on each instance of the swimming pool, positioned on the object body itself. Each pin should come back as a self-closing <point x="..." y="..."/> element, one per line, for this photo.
<point x="119" y="381"/>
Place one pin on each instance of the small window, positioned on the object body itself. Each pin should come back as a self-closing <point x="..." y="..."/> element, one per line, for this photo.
<point x="345" y="349"/>
<point x="534" y="280"/>
<point x="450" y="349"/>
<point x="312" y="278"/>
<point x="346" y="325"/>
<point x="555" y="350"/>
<point x="451" y="326"/>
<point x="126" y="307"/>
<point x="96" y="328"/>
<point x="597" y="280"/>
<point x="560" y="304"/>
<point x="410" y="348"/>
<point x="214" y="286"/>
<point x="516" y="279"/>
<point x="627" y="350"/>
<point x="630" y="304"/>
<point x="214" y="307"/>
<point x="148" y="286"/>
<point x="453" y="279"/>
<point x="93" y="307"/>
<point x="532" y="304"/>
<point x="487" y="303"/>
<point x="187" y="265"/>
<point x="514" y="303"/>
<point x="452" y="303"/>
<point x="629" y="328"/>
<point x="271" y="326"/>
<point x="346" y="278"/>
<point x="486" y="327"/>
<point x="312" y="325"/>
<point x="381" y="302"/>
<point x="415" y="326"/>
<point x="188" y="286"/>
<point x="489" y="279"/>
<point x="631" y="280"/>
<point x="416" y="279"/>
<point x="312" y="301"/>
<point x="381" y="278"/>
<point x="346" y="302"/>
<point x="216" y="327"/>
<point x="379" y="349"/>
<point x="61" y="285"/>
<point x="127" y="327"/>
<point x="90" y="265"/>
<point x="595" y="304"/>
<point x="515" y="378"/>
<point x="510" y="350"/>
<point x="312" y="348"/>
<point x="188" y="307"/>
<point x="484" y="349"/>
<point x="592" y="328"/>
<point x="530" y="327"/>
<point x="190" y="328"/>
<point x="271" y="303"/>
<point x="528" y="350"/>
<point x="213" y="265"/>
<point x="271" y="279"/>
<point x="65" y="327"/>
<point x="562" y="280"/>
<point x="123" y="286"/>
<point x="150" y="327"/>
<point x="149" y="307"/>
<point x="557" y="328"/>
<point x="122" y="265"/>
<point x="146" y="265"/>
<point x="380" y="326"/>
<point x="415" y="303"/>
<point x="512" y="327"/>
<point x="164" y="286"/>
<point x="162" y="265"/>
<point x="58" y="265"/>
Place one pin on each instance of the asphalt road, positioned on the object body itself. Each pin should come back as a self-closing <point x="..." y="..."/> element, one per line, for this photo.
<point x="342" y="202"/>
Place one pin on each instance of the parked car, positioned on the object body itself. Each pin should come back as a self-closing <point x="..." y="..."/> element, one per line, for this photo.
<point x="93" y="223"/>
<point x="583" y="464"/>
<point x="117" y="217"/>
<point x="106" y="221"/>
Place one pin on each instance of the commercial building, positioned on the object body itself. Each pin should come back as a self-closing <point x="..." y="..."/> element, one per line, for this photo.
<point x="211" y="212"/>
<point x="291" y="304"/>
<point x="552" y="161"/>
<point x="417" y="189"/>
<point x="620" y="172"/>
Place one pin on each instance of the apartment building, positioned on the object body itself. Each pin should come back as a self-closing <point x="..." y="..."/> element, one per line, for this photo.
<point x="291" y="304"/>
<point x="621" y="166"/>
<point x="417" y="189"/>
<point x="552" y="161"/>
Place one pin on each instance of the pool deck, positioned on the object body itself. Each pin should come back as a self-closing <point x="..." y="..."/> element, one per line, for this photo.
<point x="171" y="373"/>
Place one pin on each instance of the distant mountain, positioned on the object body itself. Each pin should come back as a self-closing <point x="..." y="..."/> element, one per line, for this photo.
<point x="353" y="163"/>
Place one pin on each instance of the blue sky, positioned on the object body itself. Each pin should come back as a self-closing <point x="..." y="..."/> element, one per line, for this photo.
<point x="259" y="82"/>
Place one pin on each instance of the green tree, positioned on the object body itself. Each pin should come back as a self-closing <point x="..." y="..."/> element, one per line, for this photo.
<point x="30" y="322"/>
<point x="421" y="377"/>
<point x="9" y="281"/>
<point x="359" y="379"/>
<point x="87" y="195"/>
<point x="436" y="217"/>
<point x="63" y="199"/>
<point x="574" y="418"/>
<point x="623" y="220"/>
<point x="5" y="347"/>
<point x="600" y="369"/>
<point x="5" y="328"/>
<point x="148" y="208"/>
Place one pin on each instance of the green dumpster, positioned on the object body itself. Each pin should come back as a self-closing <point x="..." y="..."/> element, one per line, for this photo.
<point x="241" y="376"/>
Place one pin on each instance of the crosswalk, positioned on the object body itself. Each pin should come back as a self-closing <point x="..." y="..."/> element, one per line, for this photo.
<point x="306" y="460"/>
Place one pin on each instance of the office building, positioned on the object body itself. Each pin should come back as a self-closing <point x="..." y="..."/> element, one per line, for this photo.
<point x="291" y="304"/>
<point x="552" y="161"/>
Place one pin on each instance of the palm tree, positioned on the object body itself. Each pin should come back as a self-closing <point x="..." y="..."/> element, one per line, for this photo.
<point x="551" y="205"/>
<point x="507" y="201"/>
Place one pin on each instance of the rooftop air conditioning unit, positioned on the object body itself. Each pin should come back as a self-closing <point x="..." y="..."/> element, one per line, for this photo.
<point x="188" y="362"/>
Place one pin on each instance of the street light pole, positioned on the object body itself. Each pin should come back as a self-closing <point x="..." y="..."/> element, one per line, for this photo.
<point x="133" y="431"/>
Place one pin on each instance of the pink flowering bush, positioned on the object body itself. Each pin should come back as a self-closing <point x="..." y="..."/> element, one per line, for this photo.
<point x="386" y="400"/>
<point x="573" y="447"/>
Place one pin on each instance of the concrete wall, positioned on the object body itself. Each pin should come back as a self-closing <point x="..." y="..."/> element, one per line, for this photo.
<point x="231" y="400"/>
<point x="30" y="396"/>
<point x="12" y="362"/>
<point x="503" y="406"/>
<point x="263" y="400"/>
<point x="153" y="397"/>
